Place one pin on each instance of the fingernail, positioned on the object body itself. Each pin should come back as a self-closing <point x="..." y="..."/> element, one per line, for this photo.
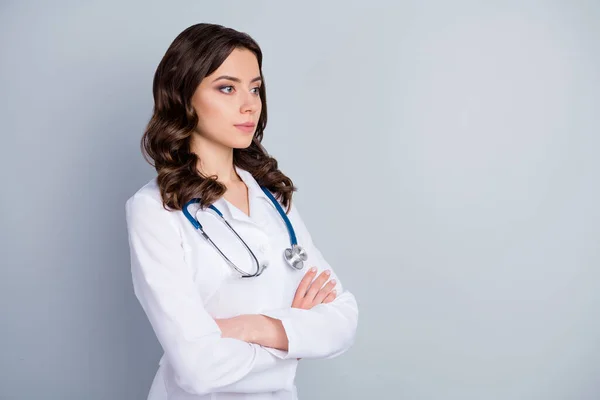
<point x="333" y="281"/>
<point x="328" y="272"/>
<point x="313" y="269"/>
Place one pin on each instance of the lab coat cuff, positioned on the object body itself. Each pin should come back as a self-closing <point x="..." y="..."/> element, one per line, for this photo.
<point x="294" y="345"/>
<point x="264" y="360"/>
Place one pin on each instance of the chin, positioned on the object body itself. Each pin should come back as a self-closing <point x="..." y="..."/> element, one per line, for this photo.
<point x="242" y="144"/>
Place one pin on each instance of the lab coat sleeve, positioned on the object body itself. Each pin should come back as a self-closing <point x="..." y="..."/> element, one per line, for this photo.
<point x="326" y="330"/>
<point x="203" y="361"/>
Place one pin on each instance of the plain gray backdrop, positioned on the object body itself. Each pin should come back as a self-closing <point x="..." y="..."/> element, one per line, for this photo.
<point x="446" y="155"/>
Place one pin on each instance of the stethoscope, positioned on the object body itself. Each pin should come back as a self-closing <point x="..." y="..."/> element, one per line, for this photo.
<point x="294" y="255"/>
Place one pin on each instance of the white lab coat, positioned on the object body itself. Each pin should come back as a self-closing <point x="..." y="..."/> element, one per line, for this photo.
<point x="183" y="284"/>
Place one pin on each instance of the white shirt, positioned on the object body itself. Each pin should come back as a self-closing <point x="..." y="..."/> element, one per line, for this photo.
<point x="183" y="284"/>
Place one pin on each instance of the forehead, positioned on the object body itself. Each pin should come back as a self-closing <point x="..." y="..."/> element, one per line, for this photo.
<point x="241" y="63"/>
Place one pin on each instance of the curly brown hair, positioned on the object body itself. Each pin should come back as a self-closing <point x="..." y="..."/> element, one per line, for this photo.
<point x="194" y="54"/>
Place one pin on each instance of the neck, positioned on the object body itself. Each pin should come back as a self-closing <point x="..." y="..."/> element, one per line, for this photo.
<point x="214" y="159"/>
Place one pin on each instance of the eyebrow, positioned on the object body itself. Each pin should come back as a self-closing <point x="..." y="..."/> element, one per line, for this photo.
<point x="233" y="78"/>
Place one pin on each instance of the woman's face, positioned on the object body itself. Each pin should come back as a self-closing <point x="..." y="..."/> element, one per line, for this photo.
<point x="228" y="98"/>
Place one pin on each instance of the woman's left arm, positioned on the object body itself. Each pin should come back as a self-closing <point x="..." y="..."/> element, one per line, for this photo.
<point x="324" y="331"/>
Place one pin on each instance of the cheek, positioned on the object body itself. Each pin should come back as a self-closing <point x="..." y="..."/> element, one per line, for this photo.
<point x="212" y="113"/>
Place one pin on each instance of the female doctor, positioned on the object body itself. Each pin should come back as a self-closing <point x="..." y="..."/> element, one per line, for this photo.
<point x="222" y="263"/>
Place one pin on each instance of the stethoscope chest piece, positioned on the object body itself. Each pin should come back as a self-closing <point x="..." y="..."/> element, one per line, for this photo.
<point x="295" y="256"/>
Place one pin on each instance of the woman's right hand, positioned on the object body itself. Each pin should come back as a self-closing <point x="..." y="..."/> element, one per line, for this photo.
<point x="312" y="292"/>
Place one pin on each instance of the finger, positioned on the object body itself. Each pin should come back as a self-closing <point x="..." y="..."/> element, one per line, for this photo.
<point x="324" y="292"/>
<point x="330" y="297"/>
<point x="306" y="281"/>
<point x="304" y="285"/>
<point x="316" y="285"/>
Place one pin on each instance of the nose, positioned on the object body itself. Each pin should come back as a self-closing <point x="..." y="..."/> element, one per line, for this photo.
<point x="250" y="103"/>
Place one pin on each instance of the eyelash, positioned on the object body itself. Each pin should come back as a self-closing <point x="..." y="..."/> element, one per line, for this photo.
<point x="230" y="86"/>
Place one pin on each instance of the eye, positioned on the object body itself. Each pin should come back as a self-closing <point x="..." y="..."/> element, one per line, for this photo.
<point x="257" y="92"/>
<point x="225" y="87"/>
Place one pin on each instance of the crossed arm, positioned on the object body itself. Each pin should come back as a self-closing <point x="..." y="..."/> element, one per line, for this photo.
<point x="270" y="332"/>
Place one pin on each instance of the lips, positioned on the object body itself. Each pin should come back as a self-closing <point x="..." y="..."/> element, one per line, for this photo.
<point x="247" y="124"/>
<point x="246" y="127"/>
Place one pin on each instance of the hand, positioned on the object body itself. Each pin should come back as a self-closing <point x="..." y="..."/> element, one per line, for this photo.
<point x="311" y="293"/>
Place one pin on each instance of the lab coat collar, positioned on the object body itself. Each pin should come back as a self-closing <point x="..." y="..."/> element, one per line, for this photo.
<point x="255" y="196"/>
<point x="254" y="189"/>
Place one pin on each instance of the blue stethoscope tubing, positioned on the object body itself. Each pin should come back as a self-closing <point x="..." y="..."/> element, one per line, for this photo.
<point x="295" y="255"/>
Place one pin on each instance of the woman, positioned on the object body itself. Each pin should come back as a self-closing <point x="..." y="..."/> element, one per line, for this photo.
<point x="226" y="336"/>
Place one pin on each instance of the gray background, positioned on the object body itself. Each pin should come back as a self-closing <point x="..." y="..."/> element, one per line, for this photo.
<point x="446" y="158"/>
